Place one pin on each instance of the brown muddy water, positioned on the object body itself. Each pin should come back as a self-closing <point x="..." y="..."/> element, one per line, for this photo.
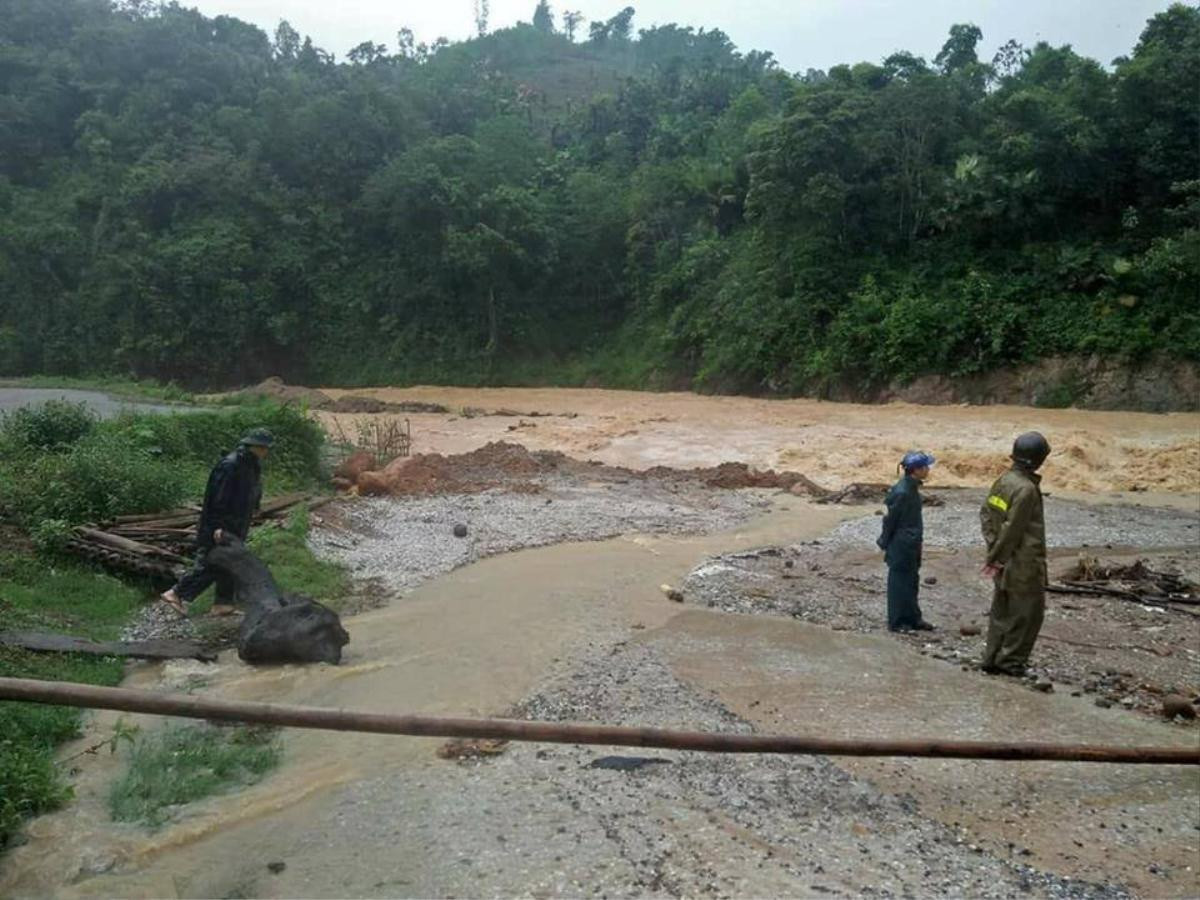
<point x="834" y="443"/>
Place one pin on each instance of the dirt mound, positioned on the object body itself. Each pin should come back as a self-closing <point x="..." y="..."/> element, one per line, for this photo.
<point x="275" y="389"/>
<point x="733" y="475"/>
<point x="498" y="464"/>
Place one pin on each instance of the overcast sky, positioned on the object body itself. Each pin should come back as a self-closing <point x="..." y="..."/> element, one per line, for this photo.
<point x="801" y="33"/>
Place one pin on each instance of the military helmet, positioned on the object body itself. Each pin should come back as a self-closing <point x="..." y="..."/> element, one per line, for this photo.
<point x="1030" y="449"/>
<point x="258" y="437"/>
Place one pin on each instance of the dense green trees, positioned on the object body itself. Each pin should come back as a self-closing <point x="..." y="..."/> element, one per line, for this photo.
<point x="187" y="198"/>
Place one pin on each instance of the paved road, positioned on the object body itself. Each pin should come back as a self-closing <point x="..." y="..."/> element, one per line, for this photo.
<point x="105" y="406"/>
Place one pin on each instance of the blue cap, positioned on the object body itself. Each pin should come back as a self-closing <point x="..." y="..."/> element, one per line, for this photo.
<point x="916" y="459"/>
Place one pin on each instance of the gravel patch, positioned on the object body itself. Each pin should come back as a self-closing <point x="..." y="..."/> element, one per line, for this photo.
<point x="1068" y="524"/>
<point x="562" y="820"/>
<point x="405" y="541"/>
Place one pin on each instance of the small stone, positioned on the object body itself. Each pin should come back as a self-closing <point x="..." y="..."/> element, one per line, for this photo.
<point x="1044" y="685"/>
<point x="787" y="563"/>
<point x="969" y="630"/>
<point x="1177" y="705"/>
<point x="1128" y="702"/>
<point x="1103" y="703"/>
<point x="276" y="867"/>
<point x="931" y="580"/>
<point x="460" y="530"/>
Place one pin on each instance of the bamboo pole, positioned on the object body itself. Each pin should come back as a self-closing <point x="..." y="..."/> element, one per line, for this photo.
<point x="71" y="694"/>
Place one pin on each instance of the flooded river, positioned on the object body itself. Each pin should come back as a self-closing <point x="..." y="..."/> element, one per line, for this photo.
<point x="834" y="443"/>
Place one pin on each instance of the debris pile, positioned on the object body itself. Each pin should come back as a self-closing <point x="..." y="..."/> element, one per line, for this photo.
<point x="157" y="544"/>
<point x="1136" y="582"/>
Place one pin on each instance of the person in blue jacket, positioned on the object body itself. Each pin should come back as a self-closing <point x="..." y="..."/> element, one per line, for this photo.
<point x="903" y="533"/>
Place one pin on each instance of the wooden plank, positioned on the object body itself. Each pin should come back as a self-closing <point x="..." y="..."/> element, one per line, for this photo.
<point x="52" y="642"/>
<point x="125" y="544"/>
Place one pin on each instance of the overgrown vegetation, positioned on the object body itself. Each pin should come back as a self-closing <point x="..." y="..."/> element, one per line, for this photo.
<point x="62" y="466"/>
<point x="69" y="598"/>
<point x="190" y="199"/>
<point x="296" y="570"/>
<point x="182" y="764"/>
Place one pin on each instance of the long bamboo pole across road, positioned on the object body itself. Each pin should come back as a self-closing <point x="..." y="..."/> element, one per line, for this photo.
<point x="86" y="695"/>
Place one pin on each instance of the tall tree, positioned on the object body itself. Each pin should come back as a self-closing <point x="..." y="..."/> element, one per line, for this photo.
<point x="543" y="18"/>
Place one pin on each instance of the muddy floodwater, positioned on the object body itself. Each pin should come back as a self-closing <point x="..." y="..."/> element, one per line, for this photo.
<point x="580" y="630"/>
<point x="834" y="443"/>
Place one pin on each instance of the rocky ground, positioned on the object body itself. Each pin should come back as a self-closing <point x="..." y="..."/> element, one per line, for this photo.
<point x="1109" y="650"/>
<point x="405" y="542"/>
<point x="598" y="822"/>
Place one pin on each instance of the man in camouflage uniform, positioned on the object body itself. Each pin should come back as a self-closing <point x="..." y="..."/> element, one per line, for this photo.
<point x="1015" y="530"/>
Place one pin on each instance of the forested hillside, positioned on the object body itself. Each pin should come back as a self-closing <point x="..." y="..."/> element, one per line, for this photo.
<point x="192" y="199"/>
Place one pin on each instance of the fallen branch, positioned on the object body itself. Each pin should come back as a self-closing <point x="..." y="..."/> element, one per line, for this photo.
<point x="85" y="695"/>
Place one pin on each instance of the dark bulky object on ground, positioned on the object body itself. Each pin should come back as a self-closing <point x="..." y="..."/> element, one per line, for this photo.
<point x="931" y="580"/>
<point x="460" y="530"/>
<point x="276" y="867"/>
<point x="1176" y="705"/>
<point x="277" y="629"/>
<point x="969" y="630"/>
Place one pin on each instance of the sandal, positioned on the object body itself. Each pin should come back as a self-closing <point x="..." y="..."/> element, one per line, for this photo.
<point x="174" y="604"/>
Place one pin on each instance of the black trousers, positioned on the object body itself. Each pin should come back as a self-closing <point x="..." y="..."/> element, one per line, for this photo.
<point x="903" y="585"/>
<point x="197" y="580"/>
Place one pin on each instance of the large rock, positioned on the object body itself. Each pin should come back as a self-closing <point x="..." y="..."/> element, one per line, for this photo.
<point x="354" y="465"/>
<point x="382" y="482"/>
<point x="277" y="628"/>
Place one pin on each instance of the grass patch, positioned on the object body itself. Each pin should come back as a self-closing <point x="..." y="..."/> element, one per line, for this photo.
<point x="297" y="571"/>
<point x="182" y="764"/>
<point x="64" y="597"/>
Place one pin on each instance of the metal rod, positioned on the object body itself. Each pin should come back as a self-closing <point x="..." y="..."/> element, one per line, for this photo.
<point x="86" y="695"/>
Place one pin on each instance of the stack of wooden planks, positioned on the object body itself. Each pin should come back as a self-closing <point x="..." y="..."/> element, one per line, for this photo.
<point x="158" y="544"/>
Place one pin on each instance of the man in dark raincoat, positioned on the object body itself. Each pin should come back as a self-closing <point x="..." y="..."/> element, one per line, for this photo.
<point x="231" y="498"/>
<point x="903" y="534"/>
<point x="1014" y="528"/>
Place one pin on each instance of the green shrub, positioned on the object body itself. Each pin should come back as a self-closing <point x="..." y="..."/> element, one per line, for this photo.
<point x="101" y="476"/>
<point x="201" y="438"/>
<point x="53" y="425"/>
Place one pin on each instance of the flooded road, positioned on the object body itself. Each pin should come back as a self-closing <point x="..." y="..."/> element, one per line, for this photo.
<point x="340" y="811"/>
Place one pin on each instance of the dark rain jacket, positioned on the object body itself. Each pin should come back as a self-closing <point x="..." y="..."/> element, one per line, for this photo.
<point x="232" y="496"/>
<point x="903" y="524"/>
<point x="1014" y="527"/>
